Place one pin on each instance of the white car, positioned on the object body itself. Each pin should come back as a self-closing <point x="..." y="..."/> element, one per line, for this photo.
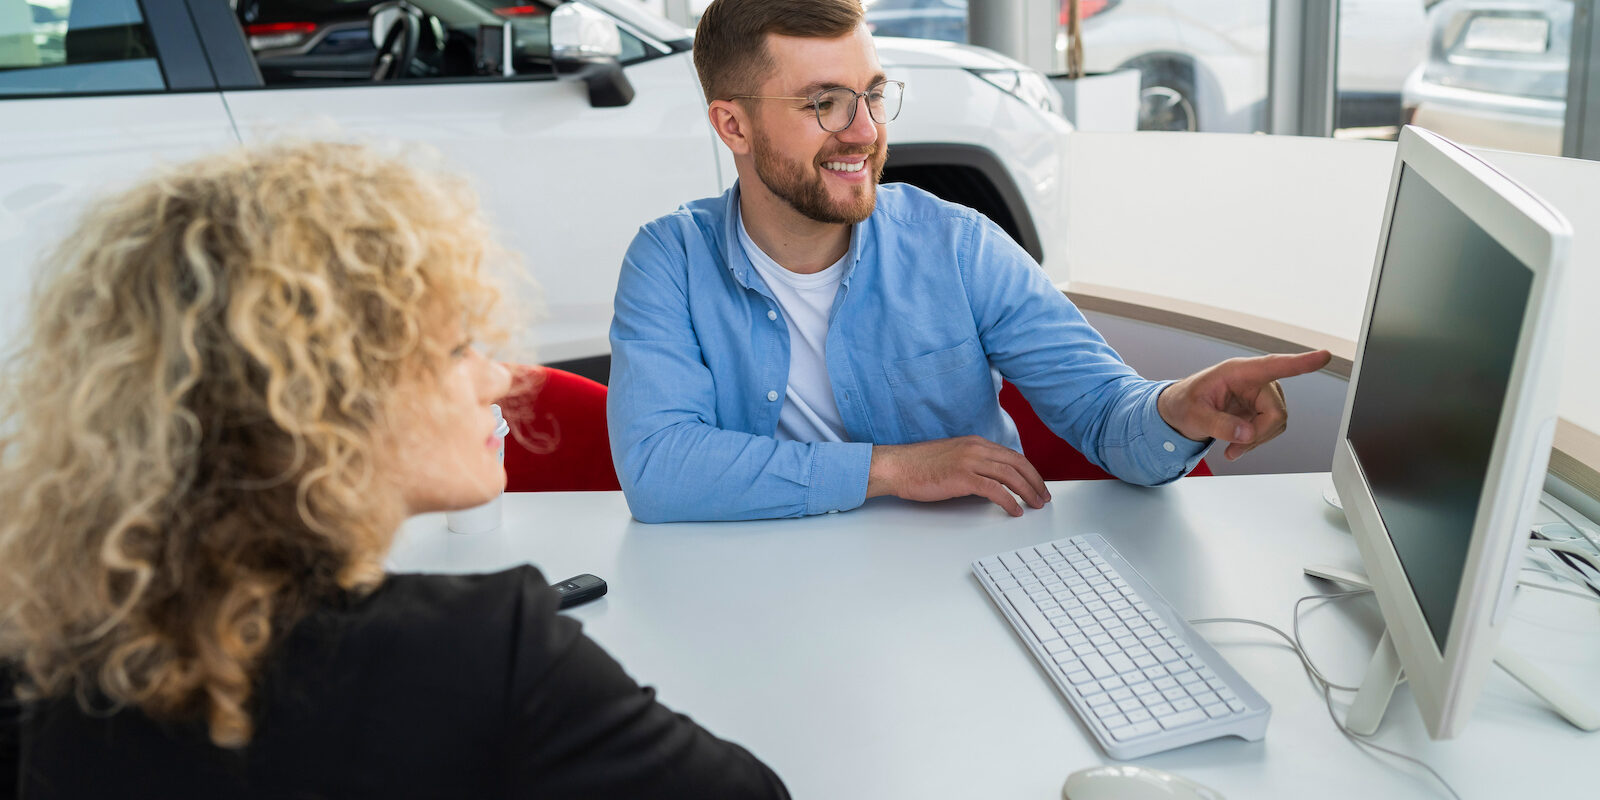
<point x="1496" y="74"/>
<point x="1204" y="62"/>
<point x="578" y="123"/>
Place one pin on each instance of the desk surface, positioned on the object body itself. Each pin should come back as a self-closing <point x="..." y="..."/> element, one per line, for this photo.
<point x="856" y="654"/>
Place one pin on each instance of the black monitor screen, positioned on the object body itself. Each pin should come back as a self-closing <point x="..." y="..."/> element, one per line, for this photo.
<point x="1433" y="378"/>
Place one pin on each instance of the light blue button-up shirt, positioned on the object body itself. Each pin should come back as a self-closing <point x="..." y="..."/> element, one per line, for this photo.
<point x="936" y="306"/>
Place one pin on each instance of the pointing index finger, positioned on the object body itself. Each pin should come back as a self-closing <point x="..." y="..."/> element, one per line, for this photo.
<point x="1264" y="369"/>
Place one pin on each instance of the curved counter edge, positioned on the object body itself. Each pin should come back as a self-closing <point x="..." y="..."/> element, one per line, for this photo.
<point x="1575" y="457"/>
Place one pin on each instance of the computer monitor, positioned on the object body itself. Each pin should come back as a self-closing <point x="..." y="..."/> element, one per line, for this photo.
<point x="1447" y="427"/>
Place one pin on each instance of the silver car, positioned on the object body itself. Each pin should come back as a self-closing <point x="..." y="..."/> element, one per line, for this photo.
<point x="1496" y="74"/>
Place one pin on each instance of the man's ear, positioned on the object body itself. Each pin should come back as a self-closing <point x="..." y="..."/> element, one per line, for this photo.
<point x="732" y="124"/>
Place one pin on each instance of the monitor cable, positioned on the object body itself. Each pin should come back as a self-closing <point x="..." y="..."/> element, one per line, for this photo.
<point x="1322" y="683"/>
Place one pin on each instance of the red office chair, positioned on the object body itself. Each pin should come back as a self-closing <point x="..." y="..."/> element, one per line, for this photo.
<point x="558" y="440"/>
<point x="1050" y="454"/>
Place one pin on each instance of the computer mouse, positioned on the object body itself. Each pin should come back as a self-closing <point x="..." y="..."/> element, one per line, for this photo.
<point x="1130" y="782"/>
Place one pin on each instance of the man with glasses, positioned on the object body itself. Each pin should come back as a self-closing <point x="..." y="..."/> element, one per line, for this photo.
<point x="809" y="339"/>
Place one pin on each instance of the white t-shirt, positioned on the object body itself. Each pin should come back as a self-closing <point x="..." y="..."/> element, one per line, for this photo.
<point x="809" y="413"/>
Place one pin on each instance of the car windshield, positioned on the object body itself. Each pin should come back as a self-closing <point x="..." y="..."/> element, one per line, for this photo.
<point x="646" y="21"/>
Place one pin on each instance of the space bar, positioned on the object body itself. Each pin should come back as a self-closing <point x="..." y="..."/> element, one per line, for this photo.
<point x="1030" y="614"/>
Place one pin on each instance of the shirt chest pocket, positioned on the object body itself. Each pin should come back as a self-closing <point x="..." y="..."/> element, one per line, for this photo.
<point x="943" y="393"/>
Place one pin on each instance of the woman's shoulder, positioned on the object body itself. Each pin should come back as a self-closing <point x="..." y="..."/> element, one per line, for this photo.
<point x="449" y="626"/>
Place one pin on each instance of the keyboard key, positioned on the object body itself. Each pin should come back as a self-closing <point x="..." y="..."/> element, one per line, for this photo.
<point x="1144" y="662"/>
<point x="1120" y="693"/>
<point x="1010" y="560"/>
<point x="1055" y="646"/>
<point x="1164" y="654"/>
<point x="1116" y="721"/>
<point x="1111" y="683"/>
<point x="1098" y="699"/>
<point x="1097" y="666"/>
<point x="1166" y="683"/>
<point x="1065" y="658"/>
<point x="1030" y="616"/>
<point x="1188" y="678"/>
<point x="1236" y="705"/>
<point x="1144" y="716"/>
<point x="1181" y="719"/>
<point x="1207" y="698"/>
<point x="1184" y="705"/>
<point x="1175" y="693"/>
<point x="1079" y="677"/>
<point x="1144" y="689"/>
<point x="1120" y="663"/>
<point x="1160" y="710"/>
<point x="1135" y="730"/>
<point x="1130" y="705"/>
<point x="1215" y="711"/>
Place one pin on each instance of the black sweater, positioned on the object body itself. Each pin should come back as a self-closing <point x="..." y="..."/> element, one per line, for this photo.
<point x="433" y="686"/>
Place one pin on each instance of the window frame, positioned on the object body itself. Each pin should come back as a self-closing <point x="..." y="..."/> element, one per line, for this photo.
<point x="178" y="55"/>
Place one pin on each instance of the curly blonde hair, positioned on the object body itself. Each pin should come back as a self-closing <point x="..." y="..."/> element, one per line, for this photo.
<point x="192" y="435"/>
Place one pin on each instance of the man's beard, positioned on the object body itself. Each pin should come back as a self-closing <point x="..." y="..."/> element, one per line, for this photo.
<point x="807" y="194"/>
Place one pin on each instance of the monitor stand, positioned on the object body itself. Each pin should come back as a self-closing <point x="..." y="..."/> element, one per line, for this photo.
<point x="1384" y="670"/>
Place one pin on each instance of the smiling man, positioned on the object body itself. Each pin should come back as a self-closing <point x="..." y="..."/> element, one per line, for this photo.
<point x="810" y="339"/>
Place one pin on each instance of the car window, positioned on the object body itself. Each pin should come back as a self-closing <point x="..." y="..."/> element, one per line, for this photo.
<point x="50" y="47"/>
<point x="331" y="41"/>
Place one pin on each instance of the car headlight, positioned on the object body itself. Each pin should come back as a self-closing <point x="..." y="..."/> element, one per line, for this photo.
<point x="1029" y="86"/>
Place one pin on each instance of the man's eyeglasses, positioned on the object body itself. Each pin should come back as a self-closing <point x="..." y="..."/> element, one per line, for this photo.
<point x="836" y="107"/>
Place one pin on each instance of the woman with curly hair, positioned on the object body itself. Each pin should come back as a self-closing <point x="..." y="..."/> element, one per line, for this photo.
<point x="239" y="377"/>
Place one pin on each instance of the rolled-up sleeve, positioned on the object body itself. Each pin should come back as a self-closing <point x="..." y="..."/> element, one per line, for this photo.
<point x="1076" y="383"/>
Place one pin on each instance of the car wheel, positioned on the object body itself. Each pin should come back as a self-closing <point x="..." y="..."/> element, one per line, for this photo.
<point x="1166" y="100"/>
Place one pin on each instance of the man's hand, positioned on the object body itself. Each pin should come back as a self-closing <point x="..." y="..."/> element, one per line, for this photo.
<point x="946" y="468"/>
<point x="1238" y="401"/>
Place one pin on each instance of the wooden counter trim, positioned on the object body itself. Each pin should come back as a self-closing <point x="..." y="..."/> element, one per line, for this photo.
<point x="1575" y="458"/>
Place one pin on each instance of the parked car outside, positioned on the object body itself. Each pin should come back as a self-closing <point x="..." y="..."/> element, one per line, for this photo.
<point x="572" y="151"/>
<point x="1203" y="63"/>
<point x="1495" y="74"/>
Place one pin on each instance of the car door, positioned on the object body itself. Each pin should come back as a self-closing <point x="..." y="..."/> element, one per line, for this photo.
<point x="565" y="183"/>
<point x="92" y="94"/>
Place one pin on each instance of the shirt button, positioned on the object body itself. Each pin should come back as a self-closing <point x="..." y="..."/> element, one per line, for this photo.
<point x="772" y="315"/>
<point x="1168" y="446"/>
<point x="771" y="396"/>
<point x="833" y="511"/>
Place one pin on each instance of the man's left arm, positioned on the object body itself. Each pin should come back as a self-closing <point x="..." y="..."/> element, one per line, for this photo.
<point x="1141" y="431"/>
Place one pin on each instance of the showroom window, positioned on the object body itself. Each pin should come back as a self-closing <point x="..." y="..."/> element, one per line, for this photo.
<point x="52" y="47"/>
<point x="1202" y="63"/>
<point x="1487" y="73"/>
<point x="943" y="20"/>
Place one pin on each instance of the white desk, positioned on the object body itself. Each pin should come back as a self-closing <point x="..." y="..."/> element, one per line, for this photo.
<point x="855" y="653"/>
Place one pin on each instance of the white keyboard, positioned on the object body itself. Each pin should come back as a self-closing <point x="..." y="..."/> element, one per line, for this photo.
<point x="1137" y="674"/>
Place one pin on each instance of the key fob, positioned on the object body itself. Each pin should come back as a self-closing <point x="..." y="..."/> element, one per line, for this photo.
<point x="579" y="589"/>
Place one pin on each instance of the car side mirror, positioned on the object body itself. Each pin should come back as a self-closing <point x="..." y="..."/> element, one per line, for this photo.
<point x="585" y="44"/>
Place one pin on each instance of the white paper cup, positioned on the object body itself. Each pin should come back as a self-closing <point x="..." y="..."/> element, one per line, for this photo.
<point x="484" y="518"/>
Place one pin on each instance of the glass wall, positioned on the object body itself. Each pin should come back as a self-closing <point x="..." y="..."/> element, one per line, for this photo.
<point x="1489" y="73"/>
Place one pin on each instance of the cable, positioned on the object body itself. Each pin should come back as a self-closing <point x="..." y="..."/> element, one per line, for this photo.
<point x="1558" y="590"/>
<point x="1327" y="687"/>
<point x="1588" y="536"/>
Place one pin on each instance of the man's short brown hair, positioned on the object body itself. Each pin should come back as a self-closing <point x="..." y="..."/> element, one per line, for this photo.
<point x="730" y="44"/>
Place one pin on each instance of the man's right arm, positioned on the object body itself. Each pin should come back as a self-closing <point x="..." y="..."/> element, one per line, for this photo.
<point x="672" y="459"/>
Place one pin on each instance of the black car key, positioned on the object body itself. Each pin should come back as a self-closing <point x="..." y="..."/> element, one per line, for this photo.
<point x="579" y="589"/>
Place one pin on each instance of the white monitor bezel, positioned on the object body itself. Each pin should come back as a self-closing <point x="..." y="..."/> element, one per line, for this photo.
<point x="1446" y="684"/>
